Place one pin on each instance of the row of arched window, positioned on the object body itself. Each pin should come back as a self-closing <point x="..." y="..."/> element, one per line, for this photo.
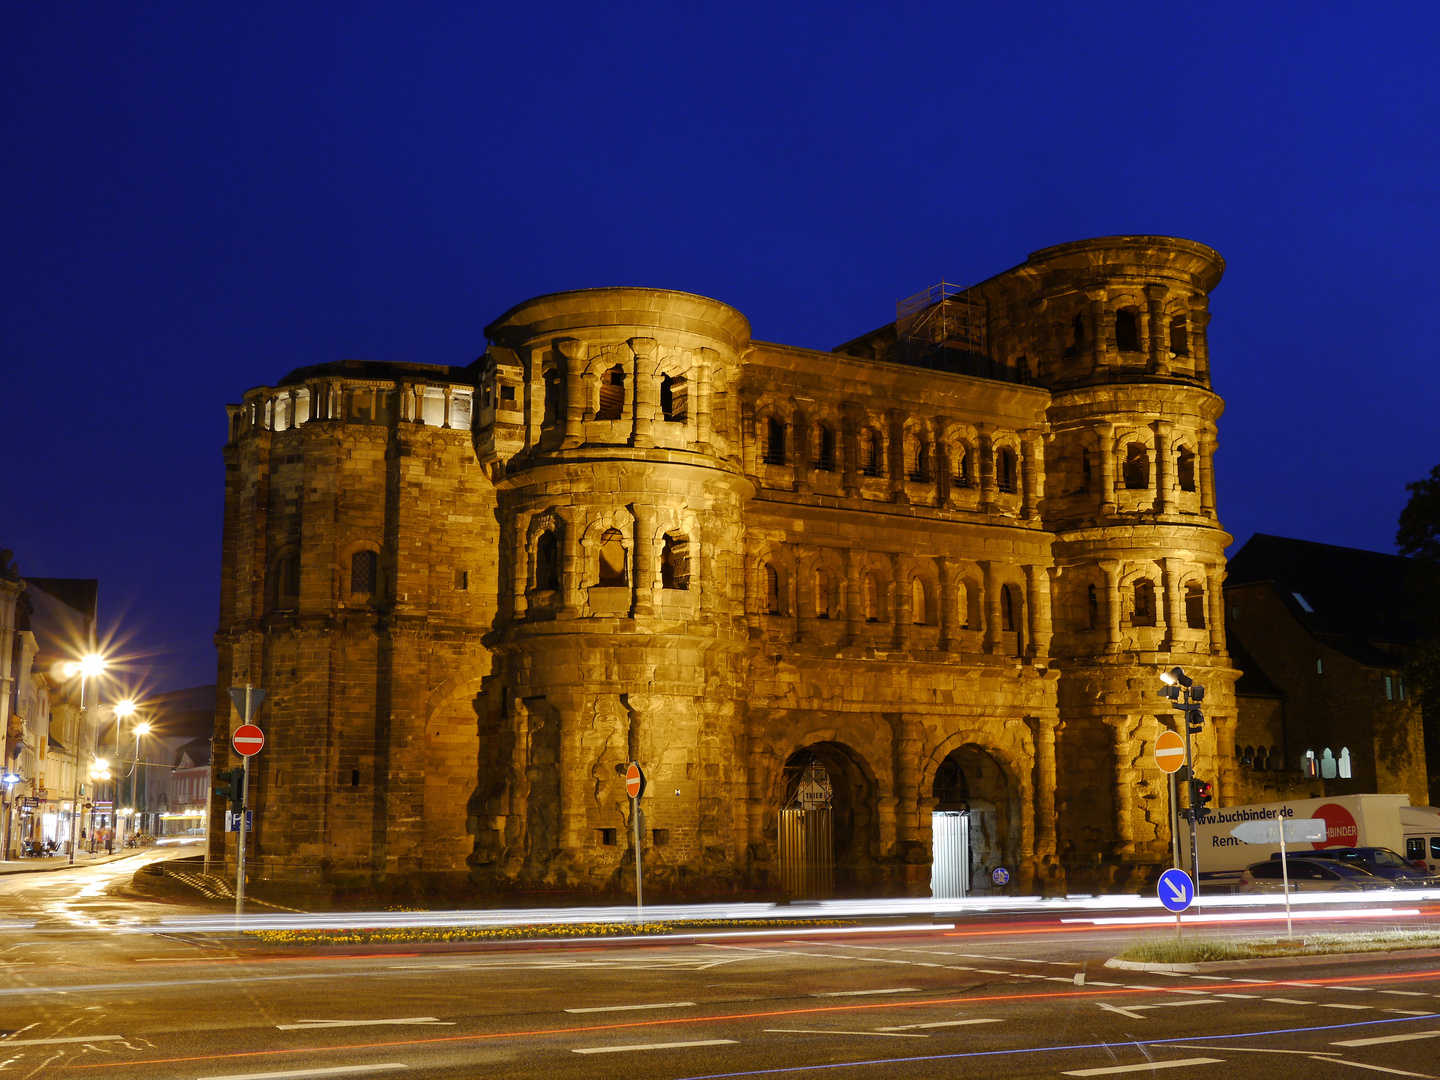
<point x="824" y="600"/>
<point x="1143" y="610"/>
<point x="1127" y="333"/>
<point x="611" y="569"/>
<point x="610" y="399"/>
<point x="361" y="584"/>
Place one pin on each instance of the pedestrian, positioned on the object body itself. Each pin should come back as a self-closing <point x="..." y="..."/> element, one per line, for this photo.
<point x="109" y="841"/>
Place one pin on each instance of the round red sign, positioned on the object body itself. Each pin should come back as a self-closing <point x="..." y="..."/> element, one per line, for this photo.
<point x="1169" y="751"/>
<point x="248" y="740"/>
<point x="1340" y="828"/>
<point x="634" y="781"/>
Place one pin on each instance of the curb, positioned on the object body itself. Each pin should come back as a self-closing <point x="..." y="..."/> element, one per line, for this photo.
<point x="1276" y="961"/>
<point x="62" y="865"/>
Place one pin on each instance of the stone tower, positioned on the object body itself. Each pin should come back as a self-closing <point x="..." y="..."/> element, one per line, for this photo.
<point x="620" y="633"/>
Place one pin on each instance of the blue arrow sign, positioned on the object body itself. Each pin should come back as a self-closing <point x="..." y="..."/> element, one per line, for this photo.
<point x="1176" y="890"/>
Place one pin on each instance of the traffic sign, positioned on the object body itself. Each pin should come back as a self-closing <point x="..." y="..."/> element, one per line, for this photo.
<point x="1000" y="875"/>
<point x="634" y="781"/>
<point x="1297" y="831"/>
<point x="248" y="740"/>
<point x="247" y="700"/>
<point x="1169" y="751"/>
<point x="232" y="821"/>
<point x="1176" y="890"/>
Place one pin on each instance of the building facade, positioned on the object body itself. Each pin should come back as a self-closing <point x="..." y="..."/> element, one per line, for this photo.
<point x="938" y="567"/>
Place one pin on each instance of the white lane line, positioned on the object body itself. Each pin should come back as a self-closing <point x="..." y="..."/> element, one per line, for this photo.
<point x="1412" y="1012"/>
<point x="651" y="1046"/>
<point x="1246" y="997"/>
<point x="1404" y="993"/>
<point x="53" y="1042"/>
<point x="338" y="1070"/>
<point x="1381" y="1039"/>
<point x="942" y="1023"/>
<point x="1097" y="982"/>
<point x="1123" y="1011"/>
<point x="631" y="1008"/>
<point x="1215" y="978"/>
<point x="305" y="1025"/>
<point x="832" y="1031"/>
<point x="1289" y="1001"/>
<point x="862" y="993"/>
<point x="1335" y="1005"/>
<point x="1259" y="1050"/>
<point x="1182" y="990"/>
<point x="1376" y="1068"/>
<point x="1147" y="1066"/>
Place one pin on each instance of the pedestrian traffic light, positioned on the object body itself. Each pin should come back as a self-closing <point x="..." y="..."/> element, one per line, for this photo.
<point x="1202" y="793"/>
<point x="1194" y="721"/>
<point x="231" y="786"/>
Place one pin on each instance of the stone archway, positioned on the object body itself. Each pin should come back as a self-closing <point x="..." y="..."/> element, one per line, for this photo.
<point x="854" y="812"/>
<point x="972" y="781"/>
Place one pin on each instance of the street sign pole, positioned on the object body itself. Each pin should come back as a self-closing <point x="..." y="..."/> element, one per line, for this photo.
<point x="1285" y="875"/>
<point x="240" y="844"/>
<point x="1175" y="821"/>
<point x="1190" y="762"/>
<point x="639" y="881"/>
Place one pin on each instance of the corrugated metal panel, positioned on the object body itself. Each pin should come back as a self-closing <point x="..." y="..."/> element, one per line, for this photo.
<point x="950" y="854"/>
<point x="807" y="854"/>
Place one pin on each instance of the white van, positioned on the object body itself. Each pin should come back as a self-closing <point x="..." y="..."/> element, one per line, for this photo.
<point x="1421" y="828"/>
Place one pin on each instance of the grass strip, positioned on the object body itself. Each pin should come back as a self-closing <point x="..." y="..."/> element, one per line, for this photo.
<point x="404" y="935"/>
<point x="1199" y="951"/>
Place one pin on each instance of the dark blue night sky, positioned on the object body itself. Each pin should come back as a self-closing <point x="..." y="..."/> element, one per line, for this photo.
<point x="199" y="197"/>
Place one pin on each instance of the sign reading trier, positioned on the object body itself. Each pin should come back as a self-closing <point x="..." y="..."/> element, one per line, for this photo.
<point x="248" y="740"/>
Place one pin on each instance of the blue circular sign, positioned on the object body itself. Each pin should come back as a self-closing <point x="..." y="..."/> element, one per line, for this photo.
<point x="1176" y="890"/>
<point x="1000" y="875"/>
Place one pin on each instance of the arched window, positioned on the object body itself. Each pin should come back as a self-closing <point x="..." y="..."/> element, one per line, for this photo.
<point x="1179" y="336"/>
<point x="1009" y="609"/>
<point x="1127" y="331"/>
<point x="364" y="572"/>
<point x="774" y="441"/>
<point x="1077" y="336"/>
<point x="675" y="563"/>
<point x="612" y="394"/>
<point x="917" y="459"/>
<point x="1136" y="471"/>
<point x="1195" y="606"/>
<point x="1084" y="469"/>
<point x="1005" y="470"/>
<point x="772" y="590"/>
<point x="547" y="561"/>
<point x="963" y="472"/>
<point x="554" y="395"/>
<point x="869" y="452"/>
<point x="673" y="398"/>
<point x="822" y="594"/>
<point x="1144" y="610"/>
<point x="872" y="598"/>
<point x="919" y="603"/>
<point x="285" y="588"/>
<point x="824" y="448"/>
<point x="1185" y="468"/>
<point x="613" y="565"/>
<point x="1092" y="608"/>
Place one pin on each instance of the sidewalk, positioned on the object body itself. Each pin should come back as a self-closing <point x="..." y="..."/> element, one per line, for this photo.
<point x="62" y="862"/>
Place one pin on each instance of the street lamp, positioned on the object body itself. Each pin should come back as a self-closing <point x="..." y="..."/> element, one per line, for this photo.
<point x="89" y="666"/>
<point x="140" y="729"/>
<point x="122" y="709"/>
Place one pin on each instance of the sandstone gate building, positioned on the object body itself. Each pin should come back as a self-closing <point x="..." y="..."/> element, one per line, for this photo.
<point x="943" y="562"/>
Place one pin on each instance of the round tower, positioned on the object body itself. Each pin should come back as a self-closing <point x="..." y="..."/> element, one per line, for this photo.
<point x="609" y="423"/>
<point x="1115" y="327"/>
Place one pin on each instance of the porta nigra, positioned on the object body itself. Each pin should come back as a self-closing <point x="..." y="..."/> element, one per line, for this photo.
<point x="869" y="618"/>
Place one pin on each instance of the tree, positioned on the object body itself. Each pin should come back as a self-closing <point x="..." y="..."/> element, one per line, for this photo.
<point x="1419" y="538"/>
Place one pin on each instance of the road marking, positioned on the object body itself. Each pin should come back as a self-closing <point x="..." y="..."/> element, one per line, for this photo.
<point x="304" y="1025"/>
<point x="53" y="1042"/>
<point x="1289" y="1001"/>
<point x="1376" y="1068"/>
<point x="1124" y="1012"/>
<point x="1412" y="1012"/>
<point x="1259" y="1050"/>
<point x="1181" y="990"/>
<point x="1334" y="1005"/>
<point x="1404" y="993"/>
<point x="1246" y="997"/>
<point x="1378" y="1040"/>
<point x="650" y="1046"/>
<point x="631" y="1008"/>
<point x="941" y="1023"/>
<point x="1147" y="1066"/>
<point x="862" y="993"/>
<point x="338" y="1070"/>
<point x="1097" y="982"/>
<point x="832" y="1031"/>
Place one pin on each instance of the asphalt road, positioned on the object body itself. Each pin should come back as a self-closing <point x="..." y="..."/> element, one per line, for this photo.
<point x="996" y="997"/>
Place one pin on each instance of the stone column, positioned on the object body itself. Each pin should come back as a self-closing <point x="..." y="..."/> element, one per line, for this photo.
<point x="985" y="452"/>
<point x="946" y="600"/>
<point x="646" y="565"/>
<point x="704" y="367"/>
<point x="1169" y="581"/>
<point x="853" y="597"/>
<point x="1214" y="586"/>
<point x="909" y="743"/>
<point x="1099" y="333"/>
<point x="896" y="454"/>
<point x="644" y="369"/>
<point x="571" y="570"/>
<point x="750" y="450"/>
<point x="1159" y="338"/>
<point x="1037" y="586"/>
<point x="1200" y="338"/>
<point x="1032" y="477"/>
<point x="850" y="450"/>
<point x="801" y="444"/>
<point x="1126" y="780"/>
<point x="1105" y="450"/>
<point x="448" y="391"/>
<point x="1042" y="730"/>
<point x="992" y="607"/>
<point x="520" y="566"/>
<point x="1111" y="570"/>
<point x="1164" y="470"/>
<point x="1226" y="782"/>
<point x="572" y="365"/>
<point x="900" y="607"/>
<point x="942" y="461"/>
<point x="1205" y="468"/>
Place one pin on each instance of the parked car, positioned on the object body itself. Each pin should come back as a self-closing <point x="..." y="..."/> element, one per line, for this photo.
<point x="1310" y="875"/>
<point x="1380" y="861"/>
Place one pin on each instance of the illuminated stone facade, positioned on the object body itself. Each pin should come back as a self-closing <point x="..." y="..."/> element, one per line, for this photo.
<point x="945" y="561"/>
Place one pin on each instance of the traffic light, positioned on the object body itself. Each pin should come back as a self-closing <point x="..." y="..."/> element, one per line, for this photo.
<point x="1182" y="774"/>
<point x="1200" y="795"/>
<point x="1194" y="721"/>
<point x="231" y="785"/>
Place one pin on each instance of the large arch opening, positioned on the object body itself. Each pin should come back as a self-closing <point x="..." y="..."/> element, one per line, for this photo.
<point x="829" y="824"/>
<point x="976" y="824"/>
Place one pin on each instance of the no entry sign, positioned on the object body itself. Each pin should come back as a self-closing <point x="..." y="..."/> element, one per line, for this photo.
<point x="634" y="781"/>
<point x="1169" y="751"/>
<point x="248" y="740"/>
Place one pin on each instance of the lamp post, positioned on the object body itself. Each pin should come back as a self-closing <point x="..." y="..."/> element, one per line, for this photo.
<point x="123" y="709"/>
<point x="87" y="667"/>
<point x="140" y="729"/>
